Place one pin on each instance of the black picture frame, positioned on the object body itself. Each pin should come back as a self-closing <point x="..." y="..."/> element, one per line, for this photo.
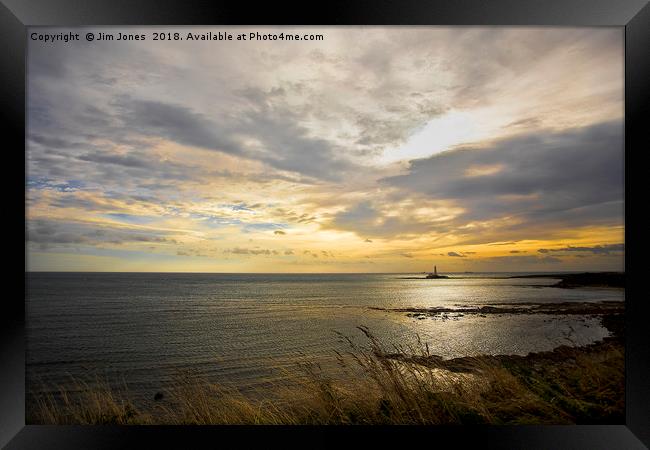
<point x="633" y="15"/>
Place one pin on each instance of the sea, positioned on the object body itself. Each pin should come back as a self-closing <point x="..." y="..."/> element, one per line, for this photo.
<point x="253" y="331"/>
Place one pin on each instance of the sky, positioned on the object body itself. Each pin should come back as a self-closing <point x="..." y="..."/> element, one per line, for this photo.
<point x="372" y="150"/>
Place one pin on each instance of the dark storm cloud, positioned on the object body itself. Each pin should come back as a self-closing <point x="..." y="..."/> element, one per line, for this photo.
<point x="286" y="145"/>
<point x="54" y="142"/>
<point x="290" y="147"/>
<point x="100" y="169"/>
<point x="119" y="160"/>
<point x="48" y="233"/>
<point x="572" y="177"/>
<point x="176" y="123"/>
<point x="540" y="182"/>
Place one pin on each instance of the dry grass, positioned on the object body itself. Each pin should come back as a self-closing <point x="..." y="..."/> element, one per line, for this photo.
<point x="375" y="386"/>
<point x="85" y="403"/>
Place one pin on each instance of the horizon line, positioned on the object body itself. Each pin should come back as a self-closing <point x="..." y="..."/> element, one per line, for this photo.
<point x="326" y="273"/>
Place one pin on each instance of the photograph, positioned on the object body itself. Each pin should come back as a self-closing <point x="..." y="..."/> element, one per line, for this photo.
<point x="325" y="225"/>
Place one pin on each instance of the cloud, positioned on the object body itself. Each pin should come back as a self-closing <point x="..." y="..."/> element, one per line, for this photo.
<point x="573" y="178"/>
<point x="379" y="220"/>
<point x="119" y="160"/>
<point x="49" y="233"/>
<point x="483" y="170"/>
<point x="533" y="195"/>
<point x="279" y="139"/>
<point x="224" y="143"/>
<point x="191" y="252"/>
<point x="289" y="146"/>
<point x="525" y="260"/>
<point x="273" y="137"/>
<point x="346" y="101"/>
<point x="174" y="122"/>
<point x="455" y="254"/>
<point x="250" y="251"/>
<point x="605" y="249"/>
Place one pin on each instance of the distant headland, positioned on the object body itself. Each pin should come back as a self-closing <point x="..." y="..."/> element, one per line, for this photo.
<point x="587" y="279"/>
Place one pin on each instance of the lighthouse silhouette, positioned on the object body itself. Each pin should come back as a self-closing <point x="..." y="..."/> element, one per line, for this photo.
<point x="435" y="270"/>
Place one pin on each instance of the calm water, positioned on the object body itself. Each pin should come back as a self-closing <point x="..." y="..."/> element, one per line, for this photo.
<point x="249" y="329"/>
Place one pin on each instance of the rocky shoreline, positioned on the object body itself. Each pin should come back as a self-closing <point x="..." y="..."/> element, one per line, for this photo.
<point x="585" y="382"/>
<point x="563" y="308"/>
<point x="615" y="324"/>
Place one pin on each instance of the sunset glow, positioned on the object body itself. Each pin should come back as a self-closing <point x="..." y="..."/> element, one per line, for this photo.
<point x="374" y="150"/>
